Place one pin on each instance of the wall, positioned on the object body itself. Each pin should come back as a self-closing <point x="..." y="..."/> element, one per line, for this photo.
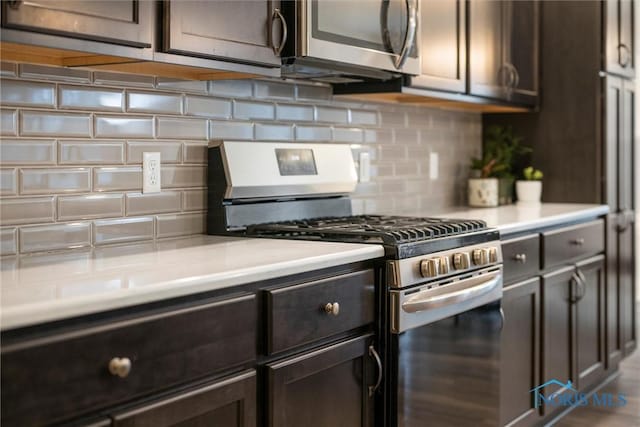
<point x="72" y="143"/>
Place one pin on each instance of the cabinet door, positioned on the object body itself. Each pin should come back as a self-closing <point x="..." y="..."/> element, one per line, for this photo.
<point x="223" y="29"/>
<point x="626" y="285"/>
<point x="487" y="71"/>
<point x="520" y="353"/>
<point x="620" y="37"/>
<point x="558" y="320"/>
<point x="613" y="336"/>
<point x="625" y="148"/>
<point x="125" y="22"/>
<point x="326" y="387"/>
<point x="443" y="46"/>
<point x="225" y="403"/>
<point x="613" y="139"/>
<point x="521" y="29"/>
<point x="589" y="328"/>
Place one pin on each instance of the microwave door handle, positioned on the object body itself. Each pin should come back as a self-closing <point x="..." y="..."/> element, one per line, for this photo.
<point x="471" y="288"/>
<point x="412" y="24"/>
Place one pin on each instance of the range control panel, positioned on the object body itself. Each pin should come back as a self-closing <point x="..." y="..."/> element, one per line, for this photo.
<point x="410" y="271"/>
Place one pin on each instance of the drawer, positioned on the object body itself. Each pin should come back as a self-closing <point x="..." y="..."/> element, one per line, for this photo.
<point x="521" y="257"/>
<point x="299" y="314"/>
<point x="570" y="243"/>
<point x="53" y="378"/>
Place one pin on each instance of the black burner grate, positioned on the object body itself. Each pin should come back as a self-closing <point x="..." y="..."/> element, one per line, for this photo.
<point x="390" y="230"/>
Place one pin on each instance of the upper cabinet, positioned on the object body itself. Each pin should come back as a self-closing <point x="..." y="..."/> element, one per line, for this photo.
<point x="443" y="41"/>
<point x="503" y="50"/>
<point x="125" y="23"/>
<point x="247" y="31"/>
<point x="619" y="37"/>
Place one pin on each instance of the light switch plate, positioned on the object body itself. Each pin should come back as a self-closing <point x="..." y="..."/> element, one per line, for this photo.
<point x="151" y="172"/>
<point x="433" y="166"/>
<point x="364" y="170"/>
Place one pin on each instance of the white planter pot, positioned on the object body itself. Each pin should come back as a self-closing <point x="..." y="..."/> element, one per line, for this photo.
<point x="483" y="192"/>
<point x="529" y="191"/>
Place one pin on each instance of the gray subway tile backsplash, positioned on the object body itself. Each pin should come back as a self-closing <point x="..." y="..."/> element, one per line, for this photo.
<point x="90" y="98"/>
<point x="55" y="181"/>
<point x="87" y="152"/>
<point x="8" y="182"/>
<point x="28" y="151"/>
<point x="44" y="123"/>
<point x="90" y="206"/>
<point x="73" y="141"/>
<point x="54" y="236"/>
<point x="25" y="210"/>
<point x="122" y="230"/>
<point x="21" y="93"/>
<point x="107" y="126"/>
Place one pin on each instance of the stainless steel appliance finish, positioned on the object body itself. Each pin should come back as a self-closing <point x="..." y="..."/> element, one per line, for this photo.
<point x="330" y="46"/>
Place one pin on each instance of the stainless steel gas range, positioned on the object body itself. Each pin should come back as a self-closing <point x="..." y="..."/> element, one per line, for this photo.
<point x="440" y="281"/>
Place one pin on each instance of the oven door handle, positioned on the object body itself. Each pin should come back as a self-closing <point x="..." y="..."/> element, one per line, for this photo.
<point x="470" y="288"/>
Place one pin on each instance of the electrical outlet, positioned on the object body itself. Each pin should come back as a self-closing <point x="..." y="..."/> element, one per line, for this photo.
<point x="364" y="169"/>
<point x="150" y="172"/>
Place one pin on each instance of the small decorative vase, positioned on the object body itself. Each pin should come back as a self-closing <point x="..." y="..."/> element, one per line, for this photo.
<point x="483" y="192"/>
<point x="529" y="191"/>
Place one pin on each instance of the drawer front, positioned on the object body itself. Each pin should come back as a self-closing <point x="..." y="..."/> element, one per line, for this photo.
<point x="521" y="257"/>
<point x="53" y="379"/>
<point x="298" y="314"/>
<point x="567" y="244"/>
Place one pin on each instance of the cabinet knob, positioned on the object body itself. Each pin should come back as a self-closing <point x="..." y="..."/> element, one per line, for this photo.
<point x="120" y="366"/>
<point x="521" y="258"/>
<point x="578" y="242"/>
<point x="332" y="308"/>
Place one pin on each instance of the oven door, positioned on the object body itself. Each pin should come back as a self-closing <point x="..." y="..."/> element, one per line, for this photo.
<point x="379" y="34"/>
<point x="446" y="372"/>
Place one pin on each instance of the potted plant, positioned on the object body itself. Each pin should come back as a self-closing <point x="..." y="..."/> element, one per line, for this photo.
<point x="529" y="190"/>
<point x="492" y="177"/>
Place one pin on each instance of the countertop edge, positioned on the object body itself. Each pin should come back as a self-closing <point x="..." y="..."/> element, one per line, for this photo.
<point x="40" y="313"/>
<point x="559" y="219"/>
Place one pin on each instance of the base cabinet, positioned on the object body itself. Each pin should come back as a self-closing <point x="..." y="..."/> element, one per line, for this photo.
<point x="225" y="403"/>
<point x="326" y="387"/>
<point x="520" y="368"/>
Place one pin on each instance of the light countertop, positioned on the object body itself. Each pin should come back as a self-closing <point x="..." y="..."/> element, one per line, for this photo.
<point x="522" y="217"/>
<point x="41" y="288"/>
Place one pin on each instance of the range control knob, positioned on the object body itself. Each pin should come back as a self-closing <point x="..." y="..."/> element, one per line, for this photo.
<point x="444" y="265"/>
<point x="461" y="261"/>
<point x="480" y="256"/>
<point x="429" y="267"/>
<point x="493" y="255"/>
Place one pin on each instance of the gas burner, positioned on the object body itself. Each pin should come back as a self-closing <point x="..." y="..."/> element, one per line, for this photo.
<point x="390" y="230"/>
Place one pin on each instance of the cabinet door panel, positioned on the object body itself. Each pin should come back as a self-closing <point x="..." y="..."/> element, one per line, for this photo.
<point x="620" y="37"/>
<point x="121" y="22"/>
<point x="485" y="48"/>
<point x="226" y="403"/>
<point x="558" y="320"/>
<point x="442" y="46"/>
<point x="521" y="46"/>
<point x="613" y="138"/>
<point x="327" y="387"/>
<point x="590" y="322"/>
<point x="626" y="152"/>
<point x="614" y="347"/>
<point x="520" y="351"/>
<point x="230" y="30"/>
<point x="626" y="283"/>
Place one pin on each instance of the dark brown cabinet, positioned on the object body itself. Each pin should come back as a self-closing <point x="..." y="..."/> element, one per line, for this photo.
<point x="626" y="283"/>
<point x="229" y="402"/>
<point x="503" y="50"/>
<point x="246" y="31"/>
<point x="443" y="46"/>
<point x="127" y="23"/>
<point x="620" y="37"/>
<point x="520" y="366"/>
<point x="326" y="387"/>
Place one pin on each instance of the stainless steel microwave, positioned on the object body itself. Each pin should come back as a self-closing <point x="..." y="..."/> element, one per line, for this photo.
<point x="344" y="40"/>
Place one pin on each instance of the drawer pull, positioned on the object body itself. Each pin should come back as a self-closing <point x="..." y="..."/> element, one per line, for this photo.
<point x="521" y="258"/>
<point x="120" y="366"/>
<point x="578" y="242"/>
<point x="332" y="308"/>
